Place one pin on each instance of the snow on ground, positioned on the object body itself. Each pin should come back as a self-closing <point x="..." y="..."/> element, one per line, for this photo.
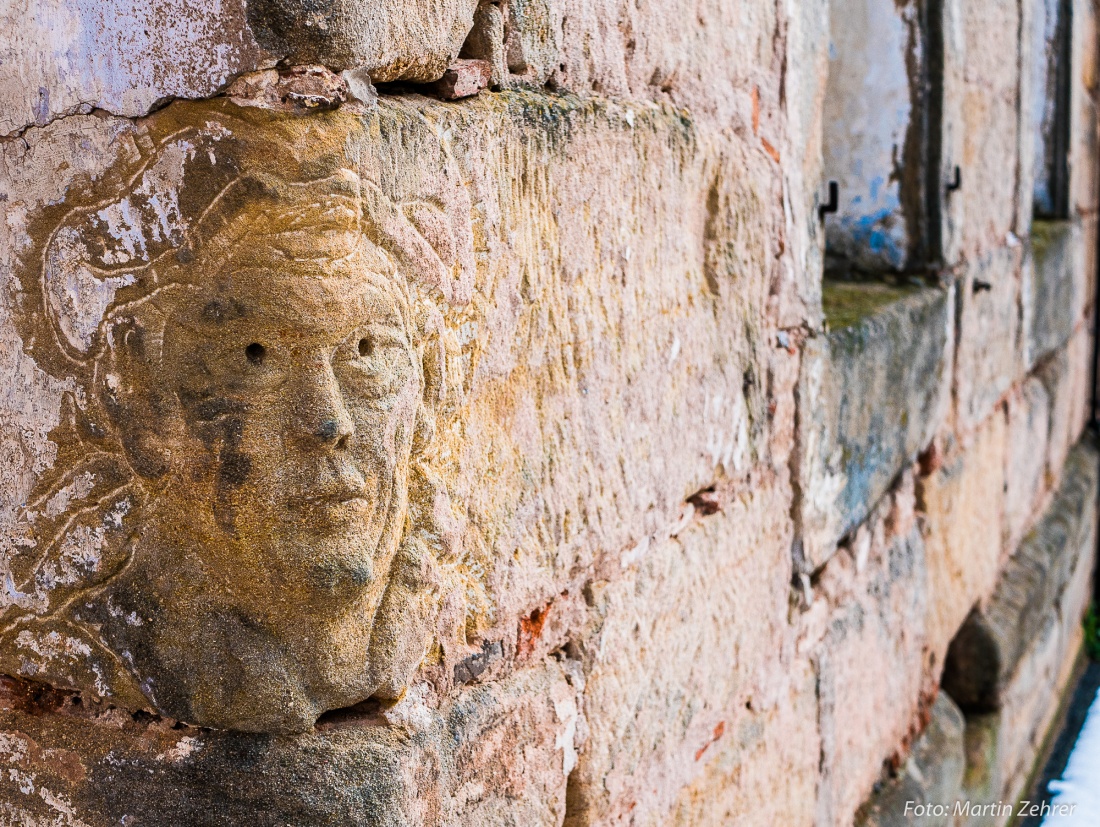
<point x="1080" y="783"/>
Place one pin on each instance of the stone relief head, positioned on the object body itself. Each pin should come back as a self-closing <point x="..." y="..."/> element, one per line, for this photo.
<point x="227" y="536"/>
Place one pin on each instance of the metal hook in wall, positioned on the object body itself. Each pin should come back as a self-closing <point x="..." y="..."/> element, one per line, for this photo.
<point x="833" y="203"/>
<point x="956" y="182"/>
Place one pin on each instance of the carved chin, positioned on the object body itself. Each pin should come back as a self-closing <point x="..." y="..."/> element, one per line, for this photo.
<point x="342" y="567"/>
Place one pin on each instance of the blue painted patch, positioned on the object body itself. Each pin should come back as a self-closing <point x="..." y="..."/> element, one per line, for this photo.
<point x="872" y="233"/>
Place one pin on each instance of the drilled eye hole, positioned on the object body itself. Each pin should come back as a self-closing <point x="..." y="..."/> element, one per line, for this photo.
<point x="255" y="353"/>
<point x="366" y="347"/>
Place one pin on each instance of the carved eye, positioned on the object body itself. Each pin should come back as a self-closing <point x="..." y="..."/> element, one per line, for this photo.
<point x="366" y="347"/>
<point x="255" y="353"/>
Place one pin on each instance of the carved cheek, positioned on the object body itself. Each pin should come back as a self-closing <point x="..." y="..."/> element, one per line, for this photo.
<point x="263" y="438"/>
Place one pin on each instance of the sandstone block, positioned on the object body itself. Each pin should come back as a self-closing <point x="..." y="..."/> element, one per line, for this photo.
<point x="1019" y="673"/>
<point x="773" y="751"/>
<point x="498" y="754"/>
<point x="550" y="394"/>
<point x="874" y="392"/>
<point x="932" y="775"/>
<point x="64" y="57"/>
<point x="1090" y="229"/>
<point x="1065" y="375"/>
<point x="1026" y="477"/>
<point x="1083" y="139"/>
<point x="463" y="79"/>
<point x="989" y="357"/>
<point x="1003" y="746"/>
<point x="1038" y="49"/>
<point x="952" y="130"/>
<point x="963" y="505"/>
<point x="395" y="42"/>
<point x="532" y="39"/>
<point x="676" y="682"/>
<point x="987" y="101"/>
<point x="867" y="715"/>
<point x="658" y="52"/>
<point x="1053" y="287"/>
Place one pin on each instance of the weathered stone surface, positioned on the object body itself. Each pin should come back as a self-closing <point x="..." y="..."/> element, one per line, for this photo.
<point x="990" y="351"/>
<point x="986" y="654"/>
<point x="963" y="505"/>
<point x="1005" y="668"/>
<point x="1026" y="473"/>
<point x="532" y="39"/>
<point x="952" y="131"/>
<point x="870" y="606"/>
<point x="297" y="90"/>
<point x="1083" y="139"/>
<point x="1002" y="746"/>
<point x="394" y="42"/>
<point x="776" y="750"/>
<point x="674" y="680"/>
<point x="1066" y="375"/>
<point x="1053" y="288"/>
<point x="875" y="391"/>
<point x="985" y="87"/>
<point x="463" y="79"/>
<point x="932" y="775"/>
<point x="873" y="138"/>
<point x="237" y="448"/>
<point x="527" y="418"/>
<point x="497" y="755"/>
<point x="472" y="449"/>
<point x="63" y="57"/>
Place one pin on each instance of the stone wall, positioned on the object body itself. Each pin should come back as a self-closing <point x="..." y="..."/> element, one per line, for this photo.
<point x="436" y="414"/>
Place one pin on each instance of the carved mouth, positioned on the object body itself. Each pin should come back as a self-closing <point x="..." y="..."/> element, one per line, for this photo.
<point x="335" y="508"/>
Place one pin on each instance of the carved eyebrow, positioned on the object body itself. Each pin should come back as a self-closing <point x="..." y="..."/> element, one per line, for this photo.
<point x="389" y="320"/>
<point x="379" y="334"/>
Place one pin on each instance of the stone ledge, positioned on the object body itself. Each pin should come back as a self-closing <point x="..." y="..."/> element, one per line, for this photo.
<point x="894" y="345"/>
<point x="932" y="775"/>
<point x="411" y="765"/>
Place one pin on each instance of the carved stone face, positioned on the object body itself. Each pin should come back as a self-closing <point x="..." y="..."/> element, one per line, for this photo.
<point x="239" y="530"/>
<point x="299" y="388"/>
<point x="288" y="392"/>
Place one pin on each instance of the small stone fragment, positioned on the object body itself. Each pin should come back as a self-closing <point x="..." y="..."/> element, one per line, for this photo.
<point x="360" y="88"/>
<point x="298" y="89"/>
<point x="463" y="79"/>
<point x="471" y="667"/>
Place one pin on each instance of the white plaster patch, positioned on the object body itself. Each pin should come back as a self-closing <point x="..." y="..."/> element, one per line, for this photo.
<point x="867" y="115"/>
<point x="12" y="746"/>
<point x="79" y="488"/>
<point x="53" y="645"/>
<point x="81" y="552"/>
<point x="79" y="297"/>
<point x="566" y="710"/>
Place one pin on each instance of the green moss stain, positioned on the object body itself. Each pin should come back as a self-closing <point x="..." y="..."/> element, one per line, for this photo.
<point x="1047" y="234"/>
<point x="1092" y="633"/>
<point x="846" y="304"/>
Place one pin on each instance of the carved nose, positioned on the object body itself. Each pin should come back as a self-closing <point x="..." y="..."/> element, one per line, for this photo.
<point x="322" y="415"/>
<point x="334" y="431"/>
